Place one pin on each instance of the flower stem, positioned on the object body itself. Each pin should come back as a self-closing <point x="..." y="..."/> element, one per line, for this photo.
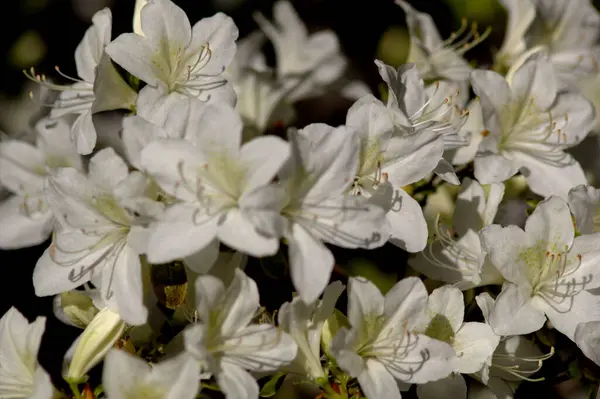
<point x="75" y="390"/>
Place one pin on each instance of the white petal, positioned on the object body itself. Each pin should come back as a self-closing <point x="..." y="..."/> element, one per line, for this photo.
<point x="237" y="232"/>
<point x="107" y="169"/>
<point x="183" y="231"/>
<point x="240" y="303"/>
<point x="503" y="245"/>
<point x="311" y="263"/>
<point x="179" y="376"/>
<point x="135" y="54"/>
<point x="221" y="32"/>
<point x="547" y="179"/>
<point x="445" y="170"/>
<point x="364" y="301"/>
<point x="588" y="340"/>
<point x="521" y="14"/>
<point x="404" y="304"/>
<point x="514" y="313"/>
<point x="494" y="93"/>
<point x="137" y="134"/>
<point x="583" y="260"/>
<point x="493" y="168"/>
<point x="123" y="373"/>
<point x="551" y="224"/>
<point x="535" y="80"/>
<point x="568" y="313"/>
<point x="376" y="382"/>
<point x="260" y="348"/>
<point x="173" y="163"/>
<point x="127" y="287"/>
<point x="474" y="343"/>
<point x="90" y="49"/>
<point x="54" y="140"/>
<point x="263" y="157"/>
<point x="448" y="301"/>
<point x="408" y="227"/>
<point x="470" y="206"/>
<point x="218" y="127"/>
<point x="486" y="304"/>
<point x="21" y="167"/>
<point x="202" y="261"/>
<point x="18" y="230"/>
<point x="236" y="382"/>
<point x="453" y="387"/>
<point x="166" y="26"/>
<point x="584" y="200"/>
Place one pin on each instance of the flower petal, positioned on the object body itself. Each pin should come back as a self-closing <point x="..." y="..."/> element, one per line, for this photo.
<point x="514" y="313"/>
<point x="474" y="343"/>
<point x="19" y="230"/>
<point x="376" y="382"/>
<point x="237" y="232"/>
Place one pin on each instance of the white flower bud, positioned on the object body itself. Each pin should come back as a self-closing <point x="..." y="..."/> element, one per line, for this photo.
<point x="91" y="346"/>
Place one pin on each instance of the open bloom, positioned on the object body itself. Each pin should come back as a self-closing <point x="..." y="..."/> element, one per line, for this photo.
<point x="99" y="87"/>
<point x="548" y="272"/>
<point x="529" y="126"/>
<point x="455" y="255"/>
<point x="380" y="348"/>
<point x="225" y="343"/>
<point x="212" y="175"/>
<point x="101" y="232"/>
<point x="173" y="57"/>
<point x="473" y="342"/>
<point x="437" y="58"/>
<point x="127" y="376"/>
<point x="25" y="216"/>
<point x="304" y="323"/>
<point x="21" y="376"/>
<point x="309" y="206"/>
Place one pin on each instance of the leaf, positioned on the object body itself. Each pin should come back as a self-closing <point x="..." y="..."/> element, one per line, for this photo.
<point x="272" y="386"/>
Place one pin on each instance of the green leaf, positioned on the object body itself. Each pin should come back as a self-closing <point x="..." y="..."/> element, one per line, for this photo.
<point x="272" y="386"/>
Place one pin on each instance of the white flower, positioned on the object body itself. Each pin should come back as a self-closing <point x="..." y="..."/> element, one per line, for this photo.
<point x="26" y="218"/>
<point x="99" y="87"/>
<point x="470" y="134"/>
<point x="437" y="58"/>
<point x="529" y="125"/>
<point x="213" y="175"/>
<point x="226" y="344"/>
<point x="473" y="342"/>
<point x="521" y="14"/>
<point x="390" y="160"/>
<point x="567" y="30"/>
<point x="547" y="272"/>
<point x="304" y="324"/>
<point x="101" y="231"/>
<point x="455" y="255"/>
<point x="584" y="202"/>
<point x="21" y="376"/>
<point x="305" y="63"/>
<point x="417" y="109"/>
<point x="173" y="57"/>
<point x="90" y="347"/>
<point x="308" y="206"/>
<point x="127" y="376"/>
<point x="380" y="347"/>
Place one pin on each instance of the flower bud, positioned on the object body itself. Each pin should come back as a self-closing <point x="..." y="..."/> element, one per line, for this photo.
<point x="332" y="325"/>
<point x="74" y="308"/>
<point x="91" y="346"/>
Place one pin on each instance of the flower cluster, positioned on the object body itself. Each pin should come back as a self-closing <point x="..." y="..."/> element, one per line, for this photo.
<point x="154" y="228"/>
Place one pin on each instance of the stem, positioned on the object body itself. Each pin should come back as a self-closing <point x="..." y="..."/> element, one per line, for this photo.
<point x="75" y="390"/>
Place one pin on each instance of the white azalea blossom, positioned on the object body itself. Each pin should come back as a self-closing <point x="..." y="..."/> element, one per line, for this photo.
<point x="309" y="207"/>
<point x="173" y="57"/>
<point x="226" y="344"/>
<point x="25" y="216"/>
<point x="100" y="234"/>
<point x="304" y="324"/>
<point x="548" y="272"/>
<point x="437" y="58"/>
<point x="473" y="342"/>
<point x="529" y="125"/>
<point x="21" y="376"/>
<point x="98" y="88"/>
<point x="213" y="175"/>
<point x="127" y="376"/>
<point x="455" y="254"/>
<point x="380" y="349"/>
